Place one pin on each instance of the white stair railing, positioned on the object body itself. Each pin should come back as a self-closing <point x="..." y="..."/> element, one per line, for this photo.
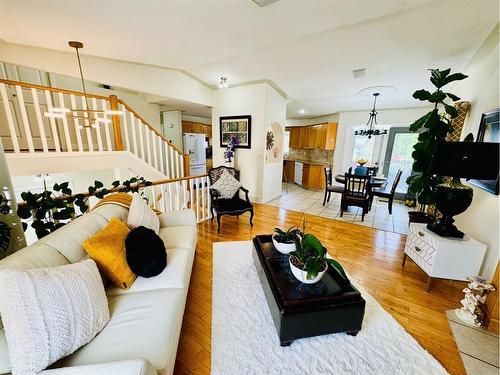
<point x="25" y="129"/>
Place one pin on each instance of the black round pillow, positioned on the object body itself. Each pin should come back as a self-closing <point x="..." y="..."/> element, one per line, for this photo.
<point x="145" y="251"/>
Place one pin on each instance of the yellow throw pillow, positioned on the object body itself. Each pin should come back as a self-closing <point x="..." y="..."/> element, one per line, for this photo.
<point x="107" y="248"/>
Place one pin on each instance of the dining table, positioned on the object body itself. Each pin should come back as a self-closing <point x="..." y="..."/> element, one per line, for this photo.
<point x="375" y="181"/>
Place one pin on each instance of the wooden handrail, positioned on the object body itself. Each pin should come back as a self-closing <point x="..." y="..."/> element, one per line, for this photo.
<point x="53" y="89"/>
<point x="119" y="188"/>
<point x="149" y="126"/>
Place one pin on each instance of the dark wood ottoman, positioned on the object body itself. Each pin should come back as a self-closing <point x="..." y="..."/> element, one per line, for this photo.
<point x="301" y="310"/>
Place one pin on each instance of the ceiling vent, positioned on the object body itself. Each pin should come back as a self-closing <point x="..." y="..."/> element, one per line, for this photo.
<point x="264" y="3"/>
<point x="359" y="73"/>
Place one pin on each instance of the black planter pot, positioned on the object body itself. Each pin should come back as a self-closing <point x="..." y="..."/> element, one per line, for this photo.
<point x="452" y="199"/>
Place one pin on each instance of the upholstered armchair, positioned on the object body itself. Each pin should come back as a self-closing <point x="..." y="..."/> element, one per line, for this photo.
<point x="234" y="206"/>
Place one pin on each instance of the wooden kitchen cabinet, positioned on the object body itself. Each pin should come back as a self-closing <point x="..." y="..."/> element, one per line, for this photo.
<point x="313" y="176"/>
<point x="289" y="170"/>
<point x="321" y="136"/>
<point x="294" y="137"/>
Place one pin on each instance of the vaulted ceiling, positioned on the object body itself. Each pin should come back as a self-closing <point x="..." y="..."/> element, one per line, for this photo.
<point x="307" y="48"/>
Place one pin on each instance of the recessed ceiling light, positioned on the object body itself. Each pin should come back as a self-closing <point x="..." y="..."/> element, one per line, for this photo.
<point x="302" y="111"/>
<point x="264" y="3"/>
<point x="359" y="73"/>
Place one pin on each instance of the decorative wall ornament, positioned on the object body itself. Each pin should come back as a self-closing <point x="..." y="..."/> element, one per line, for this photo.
<point x="236" y="126"/>
<point x="274" y="143"/>
<point x="473" y="310"/>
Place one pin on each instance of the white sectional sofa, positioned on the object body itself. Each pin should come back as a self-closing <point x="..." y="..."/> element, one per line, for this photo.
<point x="143" y="333"/>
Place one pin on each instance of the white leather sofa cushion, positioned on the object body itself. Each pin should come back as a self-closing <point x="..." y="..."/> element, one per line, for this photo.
<point x="181" y="236"/>
<point x="142" y="325"/>
<point x="5" y="366"/>
<point x="181" y="217"/>
<point x="34" y="256"/>
<point x="108" y="211"/>
<point x="69" y="239"/>
<point x="175" y="275"/>
<point x="131" y="367"/>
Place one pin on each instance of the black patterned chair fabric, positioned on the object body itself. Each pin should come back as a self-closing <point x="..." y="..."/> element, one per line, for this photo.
<point x="234" y="206"/>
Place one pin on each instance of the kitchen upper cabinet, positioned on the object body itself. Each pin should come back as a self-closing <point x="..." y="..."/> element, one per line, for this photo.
<point x="320" y="132"/>
<point x="294" y="137"/>
<point x="331" y="135"/>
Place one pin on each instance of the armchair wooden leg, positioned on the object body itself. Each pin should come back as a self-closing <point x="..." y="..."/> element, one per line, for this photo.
<point x="211" y="213"/>
<point x="329" y="195"/>
<point x="324" y="199"/>
<point x="218" y="223"/>
<point x="251" y="218"/>
<point x="389" y="206"/>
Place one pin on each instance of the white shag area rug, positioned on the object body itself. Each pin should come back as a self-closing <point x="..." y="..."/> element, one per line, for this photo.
<point x="244" y="339"/>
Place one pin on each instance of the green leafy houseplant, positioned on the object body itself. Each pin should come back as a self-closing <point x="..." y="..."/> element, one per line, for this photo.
<point x="52" y="209"/>
<point x="310" y="256"/>
<point x="288" y="236"/>
<point x="434" y="127"/>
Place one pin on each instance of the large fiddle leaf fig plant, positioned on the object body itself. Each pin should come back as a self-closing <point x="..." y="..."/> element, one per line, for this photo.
<point x="52" y="209"/>
<point x="434" y="126"/>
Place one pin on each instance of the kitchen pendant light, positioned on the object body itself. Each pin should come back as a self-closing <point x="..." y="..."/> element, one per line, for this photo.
<point x="91" y="117"/>
<point x="372" y="122"/>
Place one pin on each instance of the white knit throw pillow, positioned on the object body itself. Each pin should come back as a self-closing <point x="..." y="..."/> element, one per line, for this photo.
<point x="48" y="313"/>
<point x="226" y="185"/>
<point x="140" y="214"/>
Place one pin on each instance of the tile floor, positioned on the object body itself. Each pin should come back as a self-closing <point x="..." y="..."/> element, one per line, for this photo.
<point x="478" y="347"/>
<point x="311" y="202"/>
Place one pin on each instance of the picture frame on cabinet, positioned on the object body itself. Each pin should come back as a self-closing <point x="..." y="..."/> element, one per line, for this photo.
<point x="239" y="126"/>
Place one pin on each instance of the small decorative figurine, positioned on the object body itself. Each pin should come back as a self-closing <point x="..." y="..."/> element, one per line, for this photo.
<point x="473" y="311"/>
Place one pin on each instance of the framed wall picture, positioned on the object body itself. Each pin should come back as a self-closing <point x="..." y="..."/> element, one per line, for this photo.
<point x="239" y="126"/>
<point x="489" y="131"/>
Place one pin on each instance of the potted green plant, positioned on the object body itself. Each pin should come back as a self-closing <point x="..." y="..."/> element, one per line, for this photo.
<point x="309" y="261"/>
<point x="283" y="241"/>
<point x="361" y="169"/>
<point x="434" y="126"/>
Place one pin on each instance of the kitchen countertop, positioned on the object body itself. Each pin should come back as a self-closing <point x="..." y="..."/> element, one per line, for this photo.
<point x="307" y="162"/>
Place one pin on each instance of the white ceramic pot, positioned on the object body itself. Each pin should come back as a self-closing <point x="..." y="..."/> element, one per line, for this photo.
<point x="302" y="275"/>
<point x="283" y="248"/>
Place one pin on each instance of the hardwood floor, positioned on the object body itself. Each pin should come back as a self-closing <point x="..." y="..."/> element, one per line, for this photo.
<point x="373" y="258"/>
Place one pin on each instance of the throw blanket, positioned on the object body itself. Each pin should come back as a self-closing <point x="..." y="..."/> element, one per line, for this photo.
<point x="120" y="199"/>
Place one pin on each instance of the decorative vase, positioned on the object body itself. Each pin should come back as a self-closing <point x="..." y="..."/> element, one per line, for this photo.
<point x="301" y="275"/>
<point x="283" y="247"/>
<point x="452" y="198"/>
<point x="361" y="170"/>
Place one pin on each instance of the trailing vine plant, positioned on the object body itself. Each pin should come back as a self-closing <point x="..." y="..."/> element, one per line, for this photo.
<point x="52" y="209"/>
<point x="434" y="126"/>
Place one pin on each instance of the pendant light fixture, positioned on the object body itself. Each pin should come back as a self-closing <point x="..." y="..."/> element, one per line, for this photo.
<point x="92" y="117"/>
<point x="372" y="122"/>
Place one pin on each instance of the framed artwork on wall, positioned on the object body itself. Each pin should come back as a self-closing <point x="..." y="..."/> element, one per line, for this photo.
<point x="489" y="131"/>
<point x="238" y="126"/>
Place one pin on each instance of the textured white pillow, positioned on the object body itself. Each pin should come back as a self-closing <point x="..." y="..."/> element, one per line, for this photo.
<point x="140" y="214"/>
<point x="226" y="185"/>
<point x="48" y="313"/>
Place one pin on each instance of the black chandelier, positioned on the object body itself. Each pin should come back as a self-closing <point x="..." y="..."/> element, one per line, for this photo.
<point x="372" y="121"/>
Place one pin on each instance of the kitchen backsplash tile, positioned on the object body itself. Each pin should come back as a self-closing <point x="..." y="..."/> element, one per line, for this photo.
<point x="312" y="155"/>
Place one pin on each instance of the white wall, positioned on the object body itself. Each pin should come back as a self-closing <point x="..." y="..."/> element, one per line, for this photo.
<point x="149" y="79"/>
<point x="265" y="107"/>
<point x="334" y="117"/>
<point x="481" y="220"/>
<point x="172" y="127"/>
<point x="202" y="120"/>
<point x="275" y="113"/>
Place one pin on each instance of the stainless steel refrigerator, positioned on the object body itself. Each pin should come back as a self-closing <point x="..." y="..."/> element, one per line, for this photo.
<point x="195" y="145"/>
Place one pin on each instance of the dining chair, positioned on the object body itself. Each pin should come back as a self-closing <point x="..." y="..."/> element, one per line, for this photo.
<point x="329" y="187"/>
<point x="385" y="193"/>
<point x="356" y="193"/>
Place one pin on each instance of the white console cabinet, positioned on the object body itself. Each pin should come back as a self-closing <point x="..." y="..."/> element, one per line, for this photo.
<point x="443" y="257"/>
